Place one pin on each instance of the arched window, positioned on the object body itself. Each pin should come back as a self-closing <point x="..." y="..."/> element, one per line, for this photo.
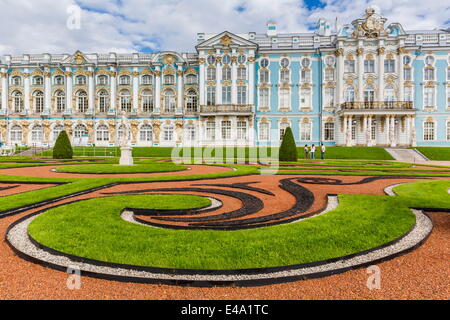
<point x="226" y="130"/>
<point x="242" y="95"/>
<point x="38" y="101"/>
<point x="429" y="97"/>
<point x="79" y="131"/>
<point x="102" y="80"/>
<point x="242" y="73"/>
<point x="191" y="79"/>
<point x="305" y="98"/>
<point x="102" y="133"/>
<point x="169" y="101"/>
<point x="210" y="130"/>
<point x="211" y="96"/>
<point x="369" y="96"/>
<point x="285" y="97"/>
<point x="82" y="101"/>
<point x="169" y="79"/>
<point x="349" y="66"/>
<point x="226" y="73"/>
<point x="329" y="97"/>
<point x="59" y="80"/>
<point x="36" y="133"/>
<point x="283" y="127"/>
<point x="226" y="95"/>
<point x="80" y="80"/>
<point x="329" y="74"/>
<point x="264" y="98"/>
<point x="264" y="76"/>
<point x="16" y="81"/>
<point x="147" y="101"/>
<point x="38" y="81"/>
<point x="389" y="96"/>
<point x="16" y="133"/>
<point x="429" y="74"/>
<point x="56" y="131"/>
<point x="429" y="131"/>
<point x="147" y="80"/>
<point x="190" y="133"/>
<point x="60" y="99"/>
<point x="125" y="100"/>
<point x="350" y="94"/>
<point x="191" y="101"/>
<point x="264" y="131"/>
<point x="103" y="101"/>
<point x="305" y="131"/>
<point x="124" y="80"/>
<point x="18" y="101"/>
<point x="168" y="133"/>
<point x="285" y="75"/>
<point x="211" y="74"/>
<point x="242" y="130"/>
<point x="305" y="76"/>
<point x="146" y="133"/>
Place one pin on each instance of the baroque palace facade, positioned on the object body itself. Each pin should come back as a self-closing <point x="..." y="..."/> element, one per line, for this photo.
<point x="366" y="84"/>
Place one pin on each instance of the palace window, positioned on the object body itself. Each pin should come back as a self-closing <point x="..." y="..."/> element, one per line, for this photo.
<point x="242" y="59"/>
<point x="408" y="92"/>
<point x="305" y="131"/>
<point x="147" y="101"/>
<point x="264" y="63"/>
<point x="329" y="74"/>
<point x="191" y="79"/>
<point x="102" y="80"/>
<point x="17" y="101"/>
<point x="389" y="65"/>
<point x="59" y="80"/>
<point x="242" y="95"/>
<point x="353" y="129"/>
<point x="305" y="76"/>
<point x="38" y="100"/>
<point x="350" y="94"/>
<point x="191" y="101"/>
<point x="210" y="130"/>
<point x="16" y="133"/>
<point x="37" y="133"/>
<point x="169" y="101"/>
<point x="103" y="101"/>
<point x="80" y="131"/>
<point x="242" y="73"/>
<point x="146" y="80"/>
<point x="448" y="130"/>
<point x="226" y="95"/>
<point x="168" y="133"/>
<point x="169" y="79"/>
<point x="407" y="74"/>
<point x="102" y="133"/>
<point x="285" y="76"/>
<point x="124" y="80"/>
<point x="56" y="131"/>
<point x="429" y="96"/>
<point x="369" y="66"/>
<point x="369" y="96"/>
<point x="264" y="131"/>
<point x="80" y="80"/>
<point x="329" y="131"/>
<point x="284" y="62"/>
<point x="306" y="63"/>
<point x="373" y="130"/>
<point x="329" y="97"/>
<point x="283" y="128"/>
<point x="211" y="96"/>
<point x="406" y="60"/>
<point x="330" y="61"/>
<point x="305" y="98"/>
<point x="428" y="131"/>
<point x="125" y="100"/>
<point x="190" y="133"/>
<point x="349" y="66"/>
<point x="429" y="74"/>
<point x="448" y="98"/>
<point x="16" y="81"/>
<point x="264" y="76"/>
<point x="82" y="101"/>
<point x="285" y="95"/>
<point x="226" y="59"/>
<point x="38" y="81"/>
<point x="264" y="98"/>
<point x="242" y="130"/>
<point x="211" y="60"/>
<point x="226" y="73"/>
<point x="226" y="130"/>
<point x="389" y="96"/>
<point x="146" y="133"/>
<point x="429" y="60"/>
<point x="211" y="74"/>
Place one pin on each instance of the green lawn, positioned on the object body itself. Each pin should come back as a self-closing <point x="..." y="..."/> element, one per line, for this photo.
<point x="436" y="153"/>
<point x="116" y="169"/>
<point x="94" y="229"/>
<point x="354" y="153"/>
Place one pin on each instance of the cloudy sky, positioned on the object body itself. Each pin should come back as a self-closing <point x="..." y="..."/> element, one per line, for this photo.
<point x="38" y="26"/>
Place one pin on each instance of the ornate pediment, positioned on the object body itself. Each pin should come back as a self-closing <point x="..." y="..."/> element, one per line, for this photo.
<point x="371" y="26"/>
<point x="77" y="58"/>
<point x="226" y="39"/>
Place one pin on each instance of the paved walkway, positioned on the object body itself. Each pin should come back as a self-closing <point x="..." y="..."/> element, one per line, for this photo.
<point x="406" y="155"/>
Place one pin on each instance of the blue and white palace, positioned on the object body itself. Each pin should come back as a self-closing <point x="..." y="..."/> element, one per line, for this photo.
<point x="368" y="84"/>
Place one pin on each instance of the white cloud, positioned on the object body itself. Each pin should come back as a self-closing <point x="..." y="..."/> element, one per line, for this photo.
<point x="128" y="25"/>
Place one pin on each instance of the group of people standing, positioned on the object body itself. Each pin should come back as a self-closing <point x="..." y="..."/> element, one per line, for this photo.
<point x="311" y="152"/>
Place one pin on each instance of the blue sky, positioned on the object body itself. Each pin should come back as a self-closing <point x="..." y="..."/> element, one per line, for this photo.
<point x="40" y="26"/>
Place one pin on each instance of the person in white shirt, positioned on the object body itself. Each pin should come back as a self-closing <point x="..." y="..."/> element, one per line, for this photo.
<point x="313" y="152"/>
<point x="306" y="152"/>
<point x="323" y="151"/>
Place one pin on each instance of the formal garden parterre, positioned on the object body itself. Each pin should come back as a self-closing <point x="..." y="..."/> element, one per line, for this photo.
<point x="216" y="225"/>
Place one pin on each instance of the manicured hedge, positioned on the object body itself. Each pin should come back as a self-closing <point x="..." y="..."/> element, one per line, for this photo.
<point x="288" y="149"/>
<point x="63" y="148"/>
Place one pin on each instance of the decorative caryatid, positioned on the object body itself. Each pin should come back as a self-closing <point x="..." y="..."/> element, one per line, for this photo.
<point x="372" y="26"/>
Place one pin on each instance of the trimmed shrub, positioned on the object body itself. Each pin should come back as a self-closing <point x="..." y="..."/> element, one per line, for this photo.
<point x="288" y="149"/>
<point x="63" y="148"/>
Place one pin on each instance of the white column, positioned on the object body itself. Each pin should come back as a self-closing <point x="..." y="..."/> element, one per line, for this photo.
<point x="218" y="83"/>
<point x="233" y="81"/>
<point x="202" y="92"/>
<point x="365" y="125"/>
<point x="380" y="73"/>
<point x="180" y="89"/>
<point x="360" y="53"/>
<point x="4" y="77"/>
<point x="136" y="89"/>
<point x="69" y="90"/>
<point x="340" y="77"/>
<point x="251" y="83"/>
<point x="113" y="89"/>
<point x="27" y="92"/>
<point x="345" y="130"/>
<point x="158" y="90"/>
<point x="91" y="90"/>
<point x="413" y="131"/>
<point x="47" y="92"/>
<point x="408" y="130"/>
<point x="401" y="79"/>
<point x="393" y="140"/>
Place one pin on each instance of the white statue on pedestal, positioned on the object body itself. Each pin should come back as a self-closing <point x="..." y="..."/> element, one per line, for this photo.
<point x="126" y="158"/>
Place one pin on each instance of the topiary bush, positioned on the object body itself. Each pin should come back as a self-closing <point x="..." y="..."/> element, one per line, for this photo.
<point x="288" y="149"/>
<point x="63" y="148"/>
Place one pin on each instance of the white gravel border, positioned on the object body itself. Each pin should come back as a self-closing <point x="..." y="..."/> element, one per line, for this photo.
<point x="18" y="238"/>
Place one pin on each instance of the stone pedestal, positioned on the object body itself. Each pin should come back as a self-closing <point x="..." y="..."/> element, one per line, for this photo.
<point x="126" y="158"/>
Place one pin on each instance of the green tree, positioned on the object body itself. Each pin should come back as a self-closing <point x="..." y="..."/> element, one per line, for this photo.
<point x="288" y="149"/>
<point x="63" y="148"/>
